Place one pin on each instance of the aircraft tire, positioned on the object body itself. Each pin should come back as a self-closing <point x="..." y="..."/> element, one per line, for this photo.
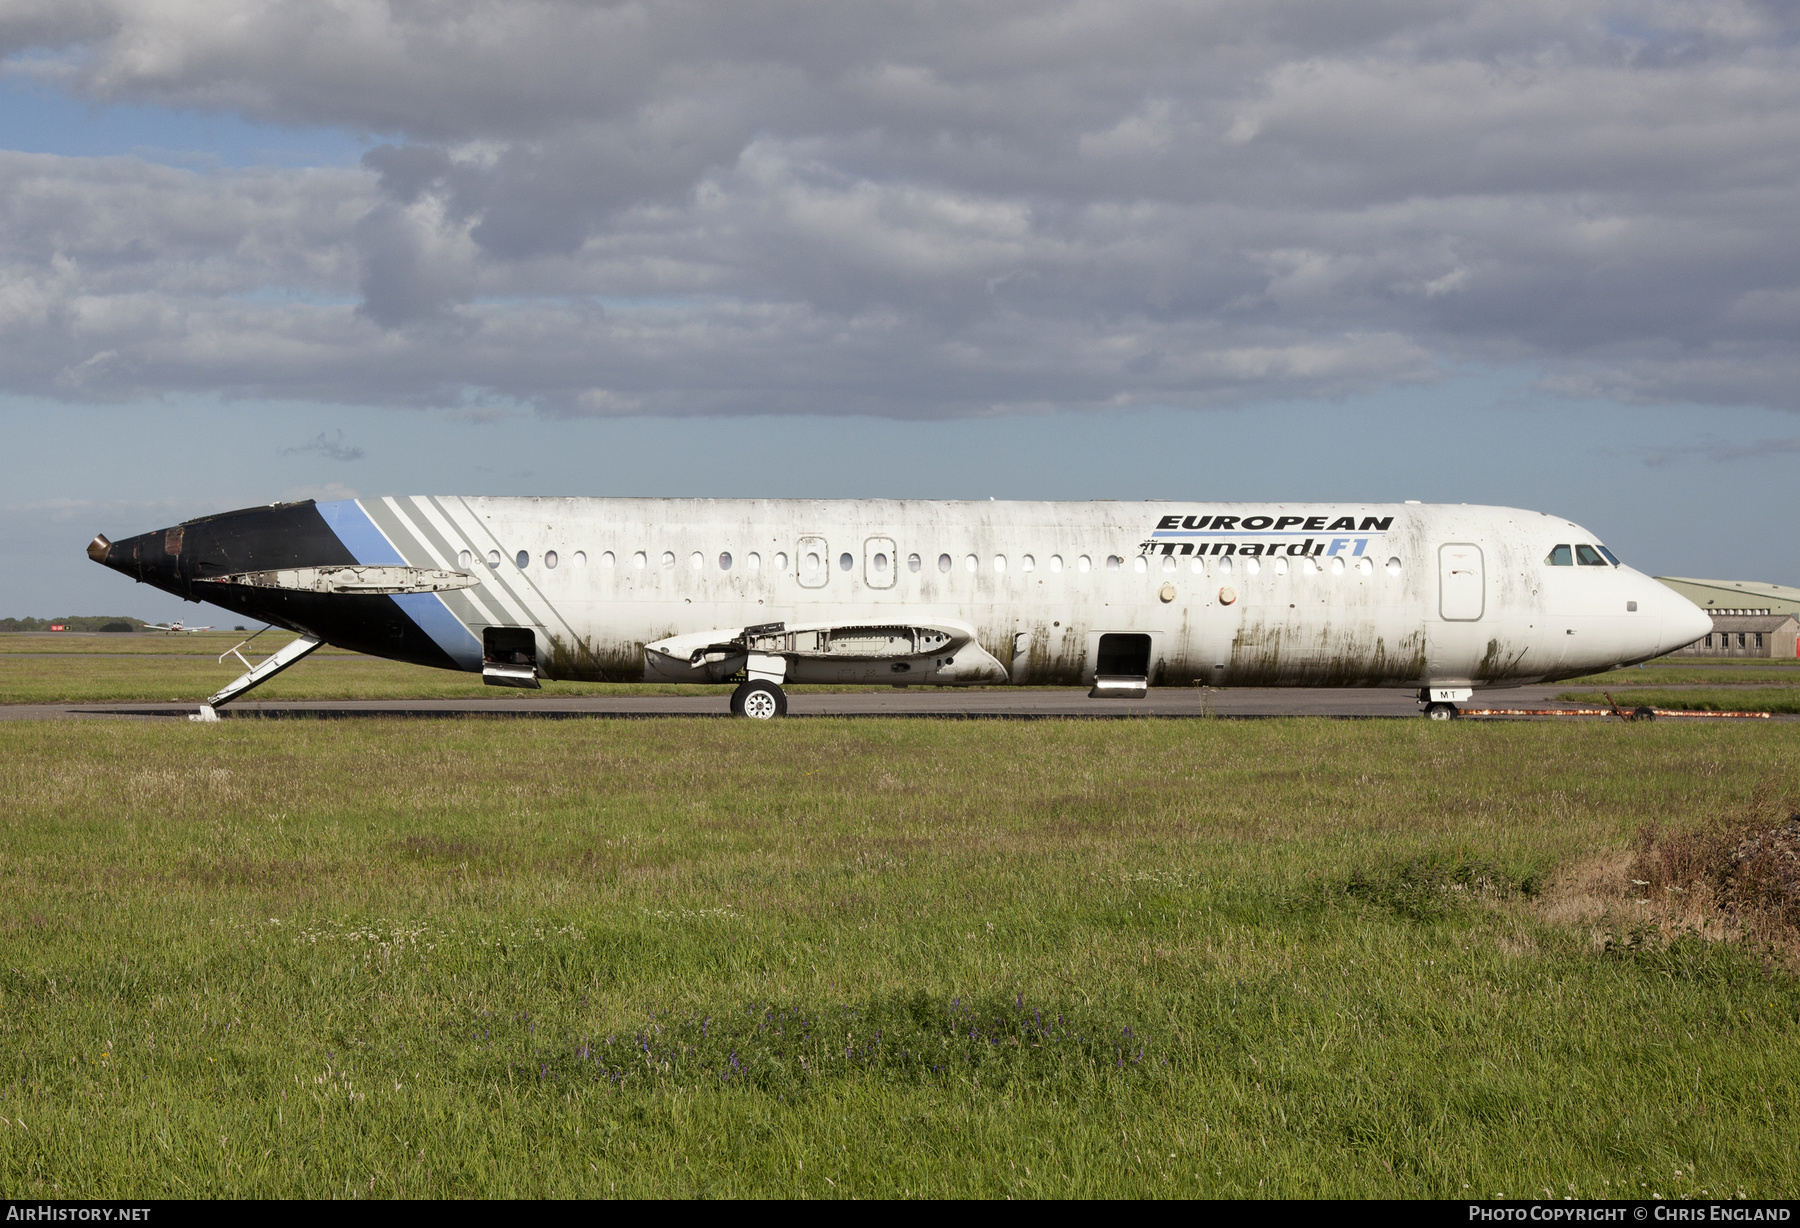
<point x="1442" y="712"/>
<point x="759" y="701"/>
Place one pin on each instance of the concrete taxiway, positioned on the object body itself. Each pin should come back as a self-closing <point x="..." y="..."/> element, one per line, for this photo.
<point x="1029" y="703"/>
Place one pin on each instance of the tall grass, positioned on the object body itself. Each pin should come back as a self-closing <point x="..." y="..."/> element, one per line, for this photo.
<point x="471" y="958"/>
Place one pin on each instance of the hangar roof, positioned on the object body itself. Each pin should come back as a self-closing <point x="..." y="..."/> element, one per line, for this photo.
<point x="1714" y="595"/>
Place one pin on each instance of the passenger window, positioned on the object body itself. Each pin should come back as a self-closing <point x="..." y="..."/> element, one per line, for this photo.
<point x="781" y="560"/>
<point x="1559" y="556"/>
<point x="880" y="563"/>
<point x="1168" y="563"/>
<point x="1028" y="563"/>
<point x="753" y="561"/>
<point x="696" y="560"/>
<point x="809" y="566"/>
<point x="1114" y="562"/>
<point x="668" y="559"/>
<point x="1056" y="562"/>
<point x="550" y="559"/>
<point x="845" y="562"/>
<point x="1587" y="556"/>
<point x="1199" y="565"/>
<point x="607" y="560"/>
<point x="913" y="562"/>
<point x="581" y="559"/>
<point x="943" y="562"/>
<point x="1393" y="567"/>
<point x="493" y="560"/>
<point x="1084" y="564"/>
<point x="1140" y="564"/>
<point x="999" y="562"/>
<point x="971" y="562"/>
<point x="464" y="559"/>
<point x="1281" y="566"/>
<point x="725" y="561"/>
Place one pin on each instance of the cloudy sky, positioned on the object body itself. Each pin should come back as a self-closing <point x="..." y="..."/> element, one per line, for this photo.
<point x="1527" y="253"/>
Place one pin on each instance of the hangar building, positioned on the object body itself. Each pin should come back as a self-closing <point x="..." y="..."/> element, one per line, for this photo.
<point x="1750" y="618"/>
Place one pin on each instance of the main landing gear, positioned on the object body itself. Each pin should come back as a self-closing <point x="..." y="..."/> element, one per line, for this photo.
<point x="1442" y="712"/>
<point x="760" y="700"/>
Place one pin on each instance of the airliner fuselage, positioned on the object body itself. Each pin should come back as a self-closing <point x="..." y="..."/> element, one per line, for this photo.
<point x="932" y="592"/>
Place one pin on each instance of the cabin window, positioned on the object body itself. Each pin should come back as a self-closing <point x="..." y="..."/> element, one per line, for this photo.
<point x="1252" y="565"/>
<point x="972" y="563"/>
<point x="753" y="561"/>
<point x="1084" y="564"/>
<point x="493" y="560"/>
<point x="1365" y="567"/>
<point x="810" y="565"/>
<point x="914" y="562"/>
<point x="1309" y="567"/>
<point x="943" y="562"/>
<point x="1337" y="566"/>
<point x="1560" y="556"/>
<point x="725" y="560"/>
<point x="1114" y="562"/>
<point x="881" y="562"/>
<point x="550" y="559"/>
<point x="1140" y="564"/>
<point x="781" y="560"/>
<point x="1587" y="556"/>
<point x="523" y="559"/>
<point x="696" y="561"/>
<point x="1393" y="567"/>
<point x="580" y="557"/>
<point x="1610" y="556"/>
<point x="1168" y="563"/>
<point x="640" y="560"/>
<point x="464" y="559"/>
<point x="1056" y="562"/>
<point x="668" y="558"/>
<point x="1027" y="563"/>
<point x="845" y="562"/>
<point x="1281" y="567"/>
<point x="607" y="560"/>
<point x="1225" y="567"/>
<point x="999" y="562"/>
<point x="1198" y="565"/>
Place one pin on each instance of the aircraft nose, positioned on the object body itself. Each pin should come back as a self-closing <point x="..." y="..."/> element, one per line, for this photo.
<point x="1683" y="622"/>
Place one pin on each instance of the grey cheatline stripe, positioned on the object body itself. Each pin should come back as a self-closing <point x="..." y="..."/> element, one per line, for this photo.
<point x="508" y="607"/>
<point x="473" y="606"/>
<point x="505" y="606"/>
<point x="549" y="609"/>
<point x="418" y="548"/>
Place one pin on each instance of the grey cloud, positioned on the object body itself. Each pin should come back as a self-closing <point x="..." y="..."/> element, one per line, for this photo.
<point x="1720" y="451"/>
<point x="331" y="447"/>
<point x="885" y="208"/>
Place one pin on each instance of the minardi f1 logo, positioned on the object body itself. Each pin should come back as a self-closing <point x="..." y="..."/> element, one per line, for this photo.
<point x="1208" y="534"/>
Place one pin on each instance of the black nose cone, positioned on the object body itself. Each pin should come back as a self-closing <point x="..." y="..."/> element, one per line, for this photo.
<point x="152" y="558"/>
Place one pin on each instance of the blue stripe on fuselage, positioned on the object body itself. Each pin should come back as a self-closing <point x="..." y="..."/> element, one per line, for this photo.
<point x="369" y="545"/>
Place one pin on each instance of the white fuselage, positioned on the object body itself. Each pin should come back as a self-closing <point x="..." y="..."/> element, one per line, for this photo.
<point x="1393" y="595"/>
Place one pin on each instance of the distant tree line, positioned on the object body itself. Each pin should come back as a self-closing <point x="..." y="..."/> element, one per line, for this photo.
<point x="75" y="622"/>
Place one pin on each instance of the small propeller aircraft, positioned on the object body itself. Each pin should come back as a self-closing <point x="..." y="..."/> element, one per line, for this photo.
<point x="174" y="628"/>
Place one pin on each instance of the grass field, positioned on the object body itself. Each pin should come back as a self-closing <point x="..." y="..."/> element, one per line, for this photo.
<point x="863" y="958"/>
<point x="1698" y="699"/>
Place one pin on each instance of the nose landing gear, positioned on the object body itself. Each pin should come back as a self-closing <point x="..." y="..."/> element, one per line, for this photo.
<point x="1440" y="702"/>
<point x="760" y="700"/>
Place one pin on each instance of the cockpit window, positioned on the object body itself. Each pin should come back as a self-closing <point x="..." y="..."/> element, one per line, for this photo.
<point x="1610" y="556"/>
<point x="1587" y="556"/>
<point x="1559" y="556"/>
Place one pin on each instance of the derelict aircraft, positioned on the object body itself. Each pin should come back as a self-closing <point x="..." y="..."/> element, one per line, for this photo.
<point x="1118" y="597"/>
